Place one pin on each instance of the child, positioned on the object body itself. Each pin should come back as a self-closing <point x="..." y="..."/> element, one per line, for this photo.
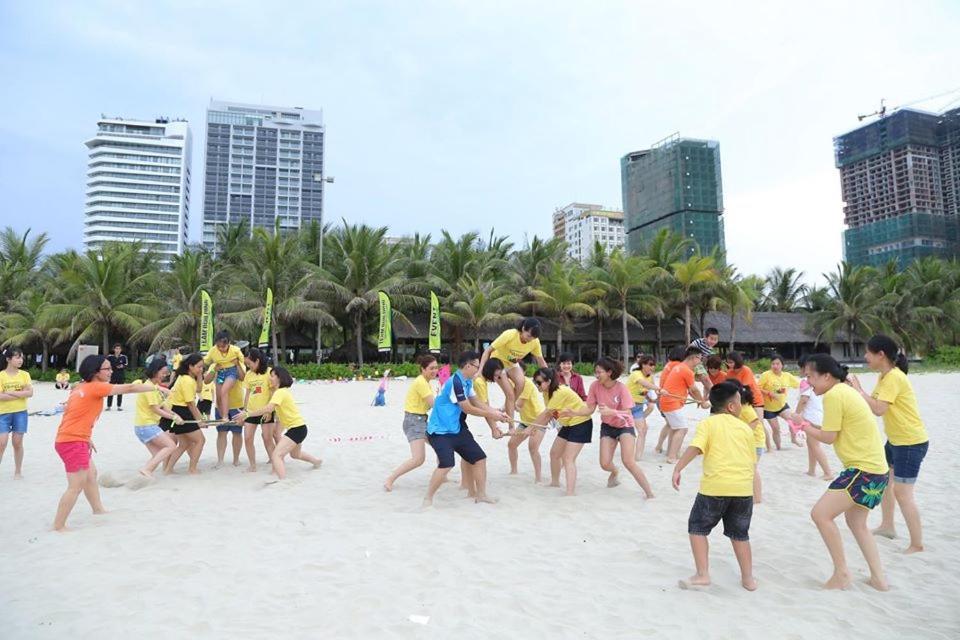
<point x="907" y="441"/>
<point x="511" y="347"/>
<point x="416" y="408"/>
<point x="642" y="388"/>
<point x="679" y="384"/>
<point x="568" y="376"/>
<point x="851" y="428"/>
<point x="749" y="415"/>
<point x="183" y="402"/>
<point x="810" y="410"/>
<point x="15" y="388"/>
<point x="773" y="385"/>
<point x="575" y="430"/>
<point x="737" y="370"/>
<point x="726" y="488"/>
<point x="257" y="385"/>
<point x="289" y="418"/>
<point x="228" y="362"/>
<point x="63" y="380"/>
<point x="150" y="405"/>
<point x="73" y="441"/>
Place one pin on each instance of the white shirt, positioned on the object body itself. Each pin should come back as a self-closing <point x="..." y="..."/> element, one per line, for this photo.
<point x="813" y="410"/>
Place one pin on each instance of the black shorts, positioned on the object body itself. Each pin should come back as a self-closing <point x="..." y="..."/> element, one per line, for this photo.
<point x="165" y="424"/>
<point x="297" y="434"/>
<point x="446" y="444"/>
<point x="606" y="431"/>
<point x="735" y="511"/>
<point x="258" y="420"/>
<point x="768" y="415"/>
<point x="580" y="433"/>
<point x="204" y="406"/>
<point x="184" y="412"/>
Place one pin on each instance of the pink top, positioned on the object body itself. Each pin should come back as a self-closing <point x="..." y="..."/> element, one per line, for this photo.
<point x="617" y="398"/>
<point x="443" y="374"/>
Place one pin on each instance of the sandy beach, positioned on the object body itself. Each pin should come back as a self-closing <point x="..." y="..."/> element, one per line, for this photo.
<point x="329" y="554"/>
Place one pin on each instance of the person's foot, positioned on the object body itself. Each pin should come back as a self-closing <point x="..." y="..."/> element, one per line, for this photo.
<point x="63" y="529"/>
<point x="99" y="512"/>
<point x="658" y="450"/>
<point x="236" y="463"/>
<point x="146" y="474"/>
<point x="671" y="461"/>
<point x="513" y="472"/>
<point x="749" y="583"/>
<point x="694" y="582"/>
<point x="119" y="408"/>
<point x="252" y="468"/>
<point x="884" y="532"/>
<point x="486" y="499"/>
<point x="194" y="472"/>
<point x="827" y="476"/>
<point x="914" y="548"/>
<point x="812" y="474"/>
<point x="388" y="486"/>
<point x="880" y="584"/>
<point x="612" y="481"/>
<point x="554" y="484"/>
<point x="427" y="503"/>
<point x="318" y="464"/>
<point x="649" y="496"/>
<point x="217" y="465"/>
<point x="18" y="476"/>
<point x="109" y="408"/>
<point x="838" y="581"/>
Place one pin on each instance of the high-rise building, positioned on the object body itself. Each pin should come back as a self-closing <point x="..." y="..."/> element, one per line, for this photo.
<point x="264" y="165"/>
<point x="900" y="182"/>
<point x="138" y="185"/>
<point x="674" y="185"/>
<point x="581" y="225"/>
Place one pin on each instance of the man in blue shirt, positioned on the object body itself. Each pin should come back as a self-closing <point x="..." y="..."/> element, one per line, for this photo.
<point x="447" y="430"/>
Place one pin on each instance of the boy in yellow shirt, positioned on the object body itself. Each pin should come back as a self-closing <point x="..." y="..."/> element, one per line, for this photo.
<point x="726" y="488"/>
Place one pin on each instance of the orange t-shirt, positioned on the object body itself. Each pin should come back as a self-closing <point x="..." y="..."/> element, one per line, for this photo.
<point x="83" y="408"/>
<point x="745" y="376"/>
<point x="717" y="378"/>
<point x="667" y="368"/>
<point x="677" y="384"/>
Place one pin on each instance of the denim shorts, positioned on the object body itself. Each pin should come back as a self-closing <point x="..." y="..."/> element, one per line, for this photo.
<point x="147" y="433"/>
<point x="231" y="428"/>
<point x="606" y="431"/>
<point x="15" y="422"/>
<point x="905" y="460"/>
<point x="637" y="410"/>
<point x="224" y="374"/>
<point x="735" y="511"/>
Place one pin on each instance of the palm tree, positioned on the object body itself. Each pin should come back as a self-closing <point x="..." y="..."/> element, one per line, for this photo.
<point x="691" y="275"/>
<point x="23" y="324"/>
<point x="531" y="264"/>
<point x="785" y="291"/>
<point x="737" y="295"/>
<point x="481" y="303"/>
<point x="231" y="240"/>
<point x="19" y="259"/>
<point x="626" y="279"/>
<point x="855" y="307"/>
<point x="565" y="294"/>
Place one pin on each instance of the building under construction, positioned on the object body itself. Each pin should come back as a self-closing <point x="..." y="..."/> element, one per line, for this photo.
<point x="900" y="181"/>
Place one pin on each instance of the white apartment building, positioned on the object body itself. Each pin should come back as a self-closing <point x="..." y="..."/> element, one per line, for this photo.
<point x="581" y="225"/>
<point x="138" y="185"/>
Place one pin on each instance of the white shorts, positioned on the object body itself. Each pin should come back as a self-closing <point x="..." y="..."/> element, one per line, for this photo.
<point x="675" y="419"/>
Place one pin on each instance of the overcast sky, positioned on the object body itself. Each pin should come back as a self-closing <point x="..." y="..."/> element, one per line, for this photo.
<point x="467" y="115"/>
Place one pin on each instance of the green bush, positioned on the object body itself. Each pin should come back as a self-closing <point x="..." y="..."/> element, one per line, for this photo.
<point x="946" y="355"/>
<point x="333" y="370"/>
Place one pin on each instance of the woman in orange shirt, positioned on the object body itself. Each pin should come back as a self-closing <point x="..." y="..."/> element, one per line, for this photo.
<point x="73" y="443"/>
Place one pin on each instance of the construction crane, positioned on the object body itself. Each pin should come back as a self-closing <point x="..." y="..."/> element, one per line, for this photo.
<point x="882" y="111"/>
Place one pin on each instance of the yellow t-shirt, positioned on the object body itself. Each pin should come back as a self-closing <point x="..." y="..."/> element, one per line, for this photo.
<point x="235" y="399"/>
<point x="184" y="391"/>
<point x="286" y="409"/>
<point x="63" y="377"/>
<point x="177" y="358"/>
<point x="858" y="441"/>
<point x="208" y="389"/>
<point x="509" y="349"/>
<point x="749" y="415"/>
<point x="532" y="405"/>
<point x="16" y="382"/>
<point x="901" y="422"/>
<point x="777" y="385"/>
<point x="480" y="388"/>
<point x="637" y="391"/>
<point x="232" y="358"/>
<point x="145" y="416"/>
<point x="566" y="398"/>
<point x="729" y="456"/>
<point x="417" y="395"/>
<point x="258" y="384"/>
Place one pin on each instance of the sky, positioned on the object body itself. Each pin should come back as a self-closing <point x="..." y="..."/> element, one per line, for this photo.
<point x="470" y="116"/>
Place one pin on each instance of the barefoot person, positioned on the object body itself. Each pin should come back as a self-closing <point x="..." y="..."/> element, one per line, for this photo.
<point x="183" y="402"/>
<point x="228" y="364"/>
<point x="416" y="410"/>
<point x="615" y="404"/>
<point x="674" y="357"/>
<point x="447" y="430"/>
<point x="773" y="385"/>
<point x="15" y="388"/>
<point x="73" y="442"/>
<point x="642" y="388"/>
<point x="235" y="399"/>
<point x="851" y="428"/>
<point x="679" y="384"/>
<point x="907" y="441"/>
<point x="749" y="416"/>
<point x="510" y="348"/>
<point x="530" y="404"/>
<point x="288" y="416"/>
<point x="810" y="410"/>
<point x="726" y="488"/>
<point x="256" y="382"/>
<point x="575" y="430"/>
<point x="149" y="409"/>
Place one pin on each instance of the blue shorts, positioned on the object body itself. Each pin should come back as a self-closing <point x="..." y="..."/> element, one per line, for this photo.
<point x="224" y="374"/>
<point x="760" y="451"/>
<point x="147" y="433"/>
<point x="905" y="460"/>
<point x="15" y="422"/>
<point x="446" y="444"/>
<point x="637" y="410"/>
<point x="231" y="428"/>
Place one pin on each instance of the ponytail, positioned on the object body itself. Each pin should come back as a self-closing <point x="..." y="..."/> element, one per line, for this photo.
<point x="884" y="344"/>
<point x="611" y="366"/>
<point x="824" y="364"/>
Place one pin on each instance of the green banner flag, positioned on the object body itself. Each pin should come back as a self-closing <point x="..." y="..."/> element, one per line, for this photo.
<point x="434" y="323"/>
<point x="385" y="336"/>
<point x="264" y="340"/>
<point x="206" y="322"/>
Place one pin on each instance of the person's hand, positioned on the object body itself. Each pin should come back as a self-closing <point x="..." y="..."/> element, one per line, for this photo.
<point x="163" y="391"/>
<point x="202" y="424"/>
<point x="240" y="417"/>
<point x="705" y="404"/>
<point x="676" y="478"/>
<point x="502" y="417"/>
<point x="496" y="432"/>
<point x="177" y="420"/>
<point x="854" y="382"/>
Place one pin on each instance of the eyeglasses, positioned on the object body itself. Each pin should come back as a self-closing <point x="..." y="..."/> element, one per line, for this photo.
<point x="473" y="364"/>
<point x="106" y="368"/>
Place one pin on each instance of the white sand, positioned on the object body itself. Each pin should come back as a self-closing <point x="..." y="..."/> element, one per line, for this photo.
<point x="329" y="554"/>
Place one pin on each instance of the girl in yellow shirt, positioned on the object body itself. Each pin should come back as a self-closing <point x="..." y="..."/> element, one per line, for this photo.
<point x="291" y="420"/>
<point x="149" y="409"/>
<point x="256" y="384"/>
<point x="63" y="380"/>
<point x="749" y="415"/>
<point x="575" y="431"/>
<point x="643" y="389"/>
<point x="907" y="442"/>
<point x="15" y="388"/>
<point x="773" y="385"/>
<point x="183" y="402"/>
<point x="418" y="403"/>
<point x="511" y="347"/>
<point x="228" y="362"/>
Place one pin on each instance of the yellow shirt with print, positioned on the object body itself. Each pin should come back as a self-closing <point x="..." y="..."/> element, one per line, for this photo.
<point x="286" y="409"/>
<point x="144" y="414"/>
<point x="509" y="349"/>
<point x="858" y="442"/>
<point x="232" y="358"/>
<point x="566" y="398"/>
<point x="480" y="388"/>
<point x="729" y="456"/>
<point x="17" y="382"/>
<point x="749" y="415"/>
<point x="417" y="394"/>
<point x="637" y="391"/>
<point x="235" y="399"/>
<point x="184" y="391"/>
<point x="901" y="422"/>
<point x="777" y="385"/>
<point x="532" y="405"/>
<point x="258" y="384"/>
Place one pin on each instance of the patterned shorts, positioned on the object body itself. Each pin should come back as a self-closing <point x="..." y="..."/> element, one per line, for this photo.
<point x="865" y="489"/>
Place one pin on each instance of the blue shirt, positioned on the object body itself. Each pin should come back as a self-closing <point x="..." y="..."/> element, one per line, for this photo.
<point x="447" y="417"/>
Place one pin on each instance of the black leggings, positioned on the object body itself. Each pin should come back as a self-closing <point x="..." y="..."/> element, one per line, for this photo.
<point x="119" y="400"/>
<point x="116" y="379"/>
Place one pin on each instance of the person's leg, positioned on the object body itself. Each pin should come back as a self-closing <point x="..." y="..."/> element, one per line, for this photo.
<point x="3" y="443"/>
<point x="570" y="452"/>
<point x="91" y="490"/>
<point x="741" y="549"/>
<point x="249" y="432"/>
<point x="17" y="441"/>
<point x="223" y="396"/>
<point x="221" y="447"/>
<point x="418" y="454"/>
<point x="676" y="443"/>
<point x="607" y="447"/>
<point x="628" y="445"/>
<point x="820" y="455"/>
<point x="237" y="445"/>
<point x="162" y="447"/>
<point x="76" y="481"/>
<point x="467" y="481"/>
<point x="641" y="438"/>
<point x="556" y="460"/>
<point x="757" y="485"/>
<point x="269" y="441"/>
<point x="196" y="440"/>
<point x="119" y="400"/>
<point x="888" y="509"/>
<point x="903" y="492"/>
<point x="479" y="473"/>
<point x="510" y="383"/>
<point x="512" y="452"/>
<point x="438" y="478"/>
<point x="297" y="453"/>
<point x="286" y="446"/>
<point x="533" y="445"/>
<point x="830" y="505"/>
<point x="664" y="434"/>
<point x="109" y="402"/>
<point x="856" y="517"/>
<point x="700" y="547"/>
<point x="775" y="431"/>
